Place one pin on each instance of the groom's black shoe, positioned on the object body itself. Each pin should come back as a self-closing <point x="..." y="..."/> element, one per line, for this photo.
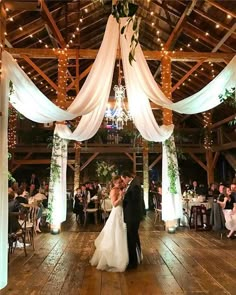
<point x="131" y="266"/>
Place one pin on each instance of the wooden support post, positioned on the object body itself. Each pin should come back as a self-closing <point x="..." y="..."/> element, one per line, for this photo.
<point x="60" y="102"/>
<point x="3" y="164"/>
<point x="77" y="165"/>
<point x="62" y="77"/>
<point x="77" y="144"/>
<point x="167" y="114"/>
<point x="145" y="173"/>
<point x="134" y="163"/>
<point x="210" y="169"/>
<point x="77" y="74"/>
<point x="207" y="121"/>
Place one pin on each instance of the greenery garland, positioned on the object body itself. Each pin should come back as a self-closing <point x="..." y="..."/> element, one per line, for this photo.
<point x="10" y="110"/>
<point x="55" y="169"/>
<point x="105" y="171"/>
<point x="10" y="177"/>
<point x="229" y="98"/>
<point x="173" y="170"/>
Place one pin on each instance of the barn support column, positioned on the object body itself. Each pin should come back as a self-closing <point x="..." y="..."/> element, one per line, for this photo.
<point x="3" y="162"/>
<point x="167" y="114"/>
<point x="77" y="165"/>
<point x="145" y="173"/>
<point x="60" y="102"/>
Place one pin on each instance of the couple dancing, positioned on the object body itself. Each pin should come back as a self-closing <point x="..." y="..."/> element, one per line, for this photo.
<point x="118" y="245"/>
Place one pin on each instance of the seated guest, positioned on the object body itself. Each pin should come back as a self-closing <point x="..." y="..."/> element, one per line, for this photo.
<point x="233" y="191"/>
<point x="32" y="191"/>
<point x="15" y="187"/>
<point x="78" y="207"/>
<point x="227" y="203"/>
<point x="195" y="188"/>
<point x="13" y="206"/>
<point x="21" y="197"/>
<point x="34" y="180"/>
<point x="213" y="191"/>
<point x="221" y="192"/>
<point x="202" y="190"/>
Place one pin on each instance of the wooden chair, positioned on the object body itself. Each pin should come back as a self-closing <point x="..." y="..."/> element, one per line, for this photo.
<point x="31" y="224"/>
<point x="20" y="234"/>
<point x="157" y="216"/>
<point x="31" y="212"/>
<point x="93" y="211"/>
<point x="198" y="217"/>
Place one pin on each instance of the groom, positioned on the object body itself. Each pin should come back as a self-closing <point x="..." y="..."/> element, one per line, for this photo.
<point x="132" y="206"/>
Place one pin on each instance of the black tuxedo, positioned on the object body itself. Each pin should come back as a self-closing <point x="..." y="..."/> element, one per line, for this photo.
<point x="132" y="206"/>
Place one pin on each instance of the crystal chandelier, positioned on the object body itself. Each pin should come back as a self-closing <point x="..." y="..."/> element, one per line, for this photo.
<point x="118" y="115"/>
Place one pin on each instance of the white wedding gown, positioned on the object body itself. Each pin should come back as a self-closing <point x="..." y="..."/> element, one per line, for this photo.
<point x="111" y="252"/>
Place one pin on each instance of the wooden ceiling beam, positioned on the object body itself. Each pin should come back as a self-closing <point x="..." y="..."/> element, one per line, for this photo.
<point x="149" y="55"/>
<point x="173" y="37"/>
<point x="224" y="147"/>
<point x="179" y="26"/>
<point x="81" y="76"/>
<point x="211" y="19"/>
<point x="198" y="161"/>
<point x="217" y="5"/>
<point x="22" y="5"/>
<point x="195" y="32"/>
<point x="189" y="73"/>
<point x="52" y="24"/>
<point x="89" y="161"/>
<point x="218" y="46"/>
<point x="219" y="123"/>
<point x="41" y="73"/>
<point x="155" y="162"/>
<point x="107" y="149"/>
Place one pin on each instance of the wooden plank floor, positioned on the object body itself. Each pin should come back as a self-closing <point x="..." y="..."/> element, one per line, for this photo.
<point x="186" y="262"/>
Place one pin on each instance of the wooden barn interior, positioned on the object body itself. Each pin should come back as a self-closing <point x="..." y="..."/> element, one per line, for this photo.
<point x="199" y="39"/>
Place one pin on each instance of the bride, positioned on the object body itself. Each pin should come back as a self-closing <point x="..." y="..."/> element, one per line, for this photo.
<point x="111" y="252"/>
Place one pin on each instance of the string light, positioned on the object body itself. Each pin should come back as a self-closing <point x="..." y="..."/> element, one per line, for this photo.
<point x="207" y="123"/>
<point x="12" y="119"/>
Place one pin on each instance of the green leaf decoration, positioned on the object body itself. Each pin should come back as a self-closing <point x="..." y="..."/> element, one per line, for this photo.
<point x="173" y="171"/>
<point x="229" y="98"/>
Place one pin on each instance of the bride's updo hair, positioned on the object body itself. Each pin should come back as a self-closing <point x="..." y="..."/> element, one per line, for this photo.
<point x="115" y="178"/>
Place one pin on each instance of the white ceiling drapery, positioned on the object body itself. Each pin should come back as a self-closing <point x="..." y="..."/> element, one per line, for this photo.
<point x="92" y="98"/>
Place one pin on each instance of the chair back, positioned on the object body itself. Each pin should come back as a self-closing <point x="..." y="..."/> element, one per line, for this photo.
<point x="106" y="204"/>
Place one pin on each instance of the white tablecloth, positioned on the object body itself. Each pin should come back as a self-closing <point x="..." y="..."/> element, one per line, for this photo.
<point x="188" y="204"/>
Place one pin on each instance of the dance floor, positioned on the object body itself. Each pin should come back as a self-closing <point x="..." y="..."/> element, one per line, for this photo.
<point x="187" y="262"/>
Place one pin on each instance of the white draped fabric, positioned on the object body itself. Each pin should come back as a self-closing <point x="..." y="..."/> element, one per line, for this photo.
<point x="3" y="183"/>
<point x="98" y="83"/>
<point x="139" y="105"/>
<point x="27" y="98"/>
<point x="171" y="203"/>
<point x="141" y="87"/>
<point x="57" y="188"/>
<point x="205" y="99"/>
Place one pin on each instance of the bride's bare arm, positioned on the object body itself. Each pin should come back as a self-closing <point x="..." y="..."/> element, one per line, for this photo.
<point x="116" y="197"/>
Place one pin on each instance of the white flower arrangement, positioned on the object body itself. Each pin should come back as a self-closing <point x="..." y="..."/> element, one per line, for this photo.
<point x="189" y="194"/>
<point x="105" y="170"/>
